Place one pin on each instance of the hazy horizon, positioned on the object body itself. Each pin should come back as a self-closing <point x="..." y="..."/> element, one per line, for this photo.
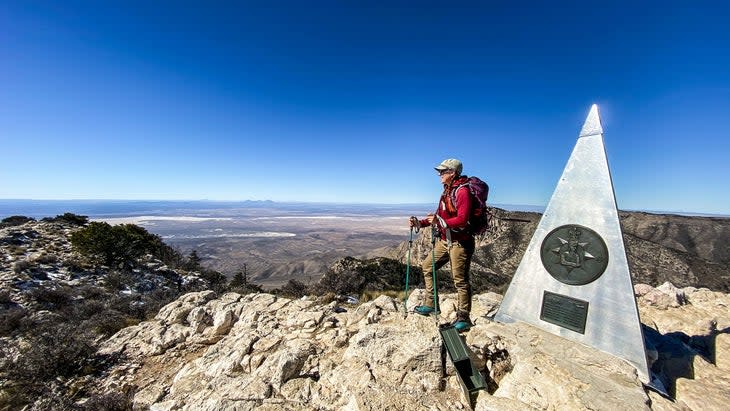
<point x="39" y="208"/>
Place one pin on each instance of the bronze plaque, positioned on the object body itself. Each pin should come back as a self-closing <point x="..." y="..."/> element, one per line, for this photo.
<point x="574" y="255"/>
<point x="567" y="312"/>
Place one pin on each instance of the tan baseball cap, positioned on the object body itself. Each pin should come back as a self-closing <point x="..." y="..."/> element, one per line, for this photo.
<point x="450" y="164"/>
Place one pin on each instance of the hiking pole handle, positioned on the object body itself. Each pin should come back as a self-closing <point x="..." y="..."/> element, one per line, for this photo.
<point x="415" y="224"/>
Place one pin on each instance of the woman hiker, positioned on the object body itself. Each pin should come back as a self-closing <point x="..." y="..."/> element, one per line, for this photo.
<point x="456" y="243"/>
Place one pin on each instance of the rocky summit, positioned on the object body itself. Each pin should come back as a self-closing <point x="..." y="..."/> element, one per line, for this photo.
<point x="148" y="329"/>
<point x="259" y="351"/>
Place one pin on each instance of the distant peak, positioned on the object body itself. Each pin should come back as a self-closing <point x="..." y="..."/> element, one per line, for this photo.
<point x="592" y="126"/>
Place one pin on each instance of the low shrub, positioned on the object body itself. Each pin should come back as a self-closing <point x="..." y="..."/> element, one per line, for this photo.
<point x="38" y="274"/>
<point x="240" y="284"/>
<point x="21" y="266"/>
<point x="52" y="351"/>
<point x="107" y="322"/>
<point x="120" y="245"/>
<point x="11" y="320"/>
<point x="5" y="297"/>
<point x="92" y="292"/>
<point x="246" y="289"/>
<point x="46" y="259"/>
<point x="348" y="281"/>
<point x="106" y="244"/>
<point x="134" y="309"/>
<point x="294" y="289"/>
<point x="150" y="305"/>
<point x="119" y="280"/>
<point x="51" y="298"/>
<point x="215" y="279"/>
<point x="69" y="218"/>
<point x="113" y="401"/>
<point x="15" y="221"/>
<point x="74" y="264"/>
<point x="356" y="276"/>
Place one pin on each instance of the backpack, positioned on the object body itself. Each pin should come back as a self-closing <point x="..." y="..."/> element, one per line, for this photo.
<point x="479" y="218"/>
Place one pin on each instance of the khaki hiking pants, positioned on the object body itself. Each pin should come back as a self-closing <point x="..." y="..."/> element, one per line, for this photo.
<point x="460" y="258"/>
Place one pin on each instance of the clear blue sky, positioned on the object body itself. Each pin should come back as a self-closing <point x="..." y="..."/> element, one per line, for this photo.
<point x="356" y="101"/>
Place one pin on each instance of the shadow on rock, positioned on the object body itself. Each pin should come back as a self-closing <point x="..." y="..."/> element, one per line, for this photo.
<point x="671" y="355"/>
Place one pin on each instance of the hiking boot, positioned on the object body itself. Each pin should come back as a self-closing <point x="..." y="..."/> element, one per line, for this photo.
<point x="462" y="322"/>
<point x="424" y="310"/>
<point x="462" y="325"/>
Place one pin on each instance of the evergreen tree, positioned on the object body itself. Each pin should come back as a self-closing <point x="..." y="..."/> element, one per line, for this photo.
<point x="238" y="280"/>
<point x="193" y="261"/>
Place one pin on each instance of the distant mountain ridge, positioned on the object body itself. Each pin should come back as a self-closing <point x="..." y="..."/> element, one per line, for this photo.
<point x="684" y="250"/>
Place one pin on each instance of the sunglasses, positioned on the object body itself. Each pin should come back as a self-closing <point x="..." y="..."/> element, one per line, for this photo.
<point x="445" y="171"/>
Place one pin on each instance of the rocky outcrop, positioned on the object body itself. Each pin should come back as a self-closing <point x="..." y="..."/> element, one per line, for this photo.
<point x="57" y="305"/>
<point x="260" y="351"/>
<point x="690" y="331"/>
<point x="37" y="256"/>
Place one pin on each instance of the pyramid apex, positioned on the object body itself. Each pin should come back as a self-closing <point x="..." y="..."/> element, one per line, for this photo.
<point x="592" y="126"/>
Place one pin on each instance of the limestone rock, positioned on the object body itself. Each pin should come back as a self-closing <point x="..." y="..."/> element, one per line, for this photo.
<point x="550" y="374"/>
<point x="260" y="351"/>
<point x="693" y="344"/>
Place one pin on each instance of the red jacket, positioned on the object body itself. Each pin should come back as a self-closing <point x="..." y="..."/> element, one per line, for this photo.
<point x="454" y="213"/>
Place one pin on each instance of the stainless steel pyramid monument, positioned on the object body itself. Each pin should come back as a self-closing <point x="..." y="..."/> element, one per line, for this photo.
<point x="574" y="279"/>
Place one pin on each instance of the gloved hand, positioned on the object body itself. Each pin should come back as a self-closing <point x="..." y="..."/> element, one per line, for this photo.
<point x="415" y="223"/>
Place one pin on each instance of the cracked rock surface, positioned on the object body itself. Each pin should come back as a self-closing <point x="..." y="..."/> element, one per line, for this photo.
<point x="260" y="351"/>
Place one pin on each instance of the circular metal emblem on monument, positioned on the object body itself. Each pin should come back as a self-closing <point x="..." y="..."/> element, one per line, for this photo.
<point x="574" y="255"/>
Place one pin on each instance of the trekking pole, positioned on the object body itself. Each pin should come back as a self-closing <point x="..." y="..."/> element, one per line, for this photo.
<point x="408" y="271"/>
<point x="434" y="232"/>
